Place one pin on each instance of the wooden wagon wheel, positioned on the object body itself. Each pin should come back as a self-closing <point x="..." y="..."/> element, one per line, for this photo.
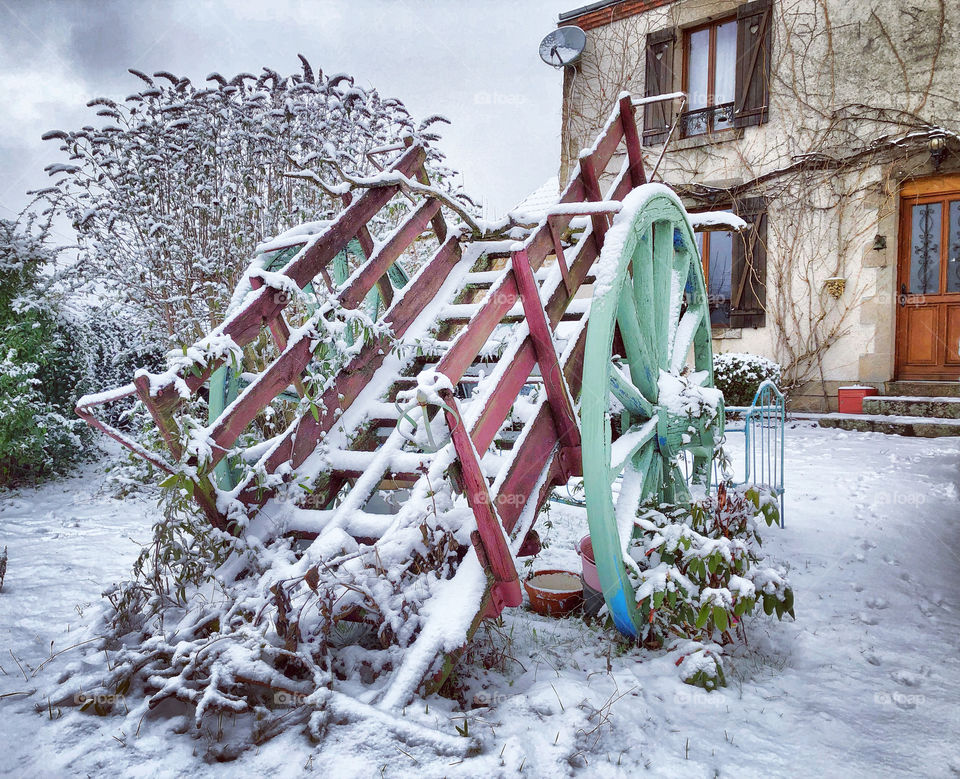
<point x="649" y="291"/>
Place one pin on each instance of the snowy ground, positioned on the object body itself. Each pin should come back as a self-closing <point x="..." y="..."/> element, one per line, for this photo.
<point x="866" y="682"/>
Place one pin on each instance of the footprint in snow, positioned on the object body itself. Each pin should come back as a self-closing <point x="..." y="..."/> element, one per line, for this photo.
<point x="868" y="619"/>
<point x="878" y="603"/>
<point x="907" y="678"/>
<point x="873" y="658"/>
<point x="857" y="587"/>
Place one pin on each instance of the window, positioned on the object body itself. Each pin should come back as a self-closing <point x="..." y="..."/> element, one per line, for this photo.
<point x="709" y="71"/>
<point x="724" y="67"/>
<point x="734" y="269"/>
<point x="716" y="250"/>
<point x="934" y="248"/>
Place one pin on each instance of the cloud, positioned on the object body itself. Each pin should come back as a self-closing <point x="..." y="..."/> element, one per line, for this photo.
<point x="437" y="57"/>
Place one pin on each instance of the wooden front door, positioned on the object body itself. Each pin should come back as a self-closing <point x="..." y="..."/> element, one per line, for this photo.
<point x="928" y="280"/>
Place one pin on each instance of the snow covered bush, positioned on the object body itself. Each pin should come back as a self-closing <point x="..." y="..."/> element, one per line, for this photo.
<point x="41" y="364"/>
<point x="739" y="375"/>
<point x="699" y="571"/>
<point x="172" y="192"/>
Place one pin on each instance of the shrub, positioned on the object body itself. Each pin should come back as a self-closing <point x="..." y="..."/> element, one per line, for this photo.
<point x="41" y="365"/>
<point x="739" y="375"/>
<point x="700" y="571"/>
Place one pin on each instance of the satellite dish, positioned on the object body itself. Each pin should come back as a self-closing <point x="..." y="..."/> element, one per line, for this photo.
<point x="563" y="46"/>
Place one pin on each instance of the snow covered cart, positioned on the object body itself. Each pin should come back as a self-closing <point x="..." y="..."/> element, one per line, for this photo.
<point x="398" y="519"/>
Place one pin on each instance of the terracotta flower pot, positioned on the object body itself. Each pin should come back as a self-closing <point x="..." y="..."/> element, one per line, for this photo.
<point x="554" y="593"/>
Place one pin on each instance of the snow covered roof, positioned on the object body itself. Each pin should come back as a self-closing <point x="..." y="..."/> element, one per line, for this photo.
<point x="537" y="202"/>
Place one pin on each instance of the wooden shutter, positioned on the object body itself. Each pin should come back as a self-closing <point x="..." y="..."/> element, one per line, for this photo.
<point x="754" y="42"/>
<point x="748" y="274"/>
<point x="658" y="81"/>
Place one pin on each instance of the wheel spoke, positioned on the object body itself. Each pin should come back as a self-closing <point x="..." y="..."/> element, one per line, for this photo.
<point x="653" y="475"/>
<point x="662" y="276"/>
<point x="628" y="395"/>
<point x="701" y="470"/>
<point x="683" y="339"/>
<point x="678" y="286"/>
<point x="681" y="493"/>
<point x="643" y="364"/>
<point x="626" y="446"/>
<point x="642" y="278"/>
<point x="629" y="500"/>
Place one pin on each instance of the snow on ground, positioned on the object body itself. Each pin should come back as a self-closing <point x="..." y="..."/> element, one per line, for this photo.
<point x="866" y="682"/>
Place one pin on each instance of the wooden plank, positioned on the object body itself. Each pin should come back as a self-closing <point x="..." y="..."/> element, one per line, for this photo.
<point x="539" y="444"/>
<point x="257" y="395"/>
<point x="604" y="148"/>
<point x="162" y="416"/>
<point x="245" y="326"/>
<point x="358" y="373"/>
<point x="438" y="222"/>
<point x="489" y="541"/>
<point x="592" y="189"/>
<point x="561" y="257"/>
<point x="281" y="335"/>
<point x="471" y="339"/>
<point x="631" y="137"/>
<point x="547" y="358"/>
<point x="377" y="265"/>
<point x="498" y="404"/>
<point x="309" y="262"/>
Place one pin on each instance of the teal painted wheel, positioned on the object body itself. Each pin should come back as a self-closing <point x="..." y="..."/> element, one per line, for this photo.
<point x="651" y="302"/>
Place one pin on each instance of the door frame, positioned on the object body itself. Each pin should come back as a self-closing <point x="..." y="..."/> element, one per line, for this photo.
<point x="915" y="192"/>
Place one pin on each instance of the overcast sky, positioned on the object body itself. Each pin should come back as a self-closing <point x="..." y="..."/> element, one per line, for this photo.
<point x="474" y="62"/>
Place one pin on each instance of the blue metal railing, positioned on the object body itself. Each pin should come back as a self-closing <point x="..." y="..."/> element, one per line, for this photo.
<point x="764" y="423"/>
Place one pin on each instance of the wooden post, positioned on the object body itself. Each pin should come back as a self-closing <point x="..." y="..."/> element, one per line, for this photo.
<point x="591" y="185"/>
<point x="561" y="258"/>
<point x="488" y="539"/>
<point x="638" y="175"/>
<point x="547" y="358"/>
<point x="281" y="334"/>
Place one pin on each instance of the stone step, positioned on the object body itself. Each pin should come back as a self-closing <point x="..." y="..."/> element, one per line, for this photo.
<point x="921" y="427"/>
<point x="916" y="406"/>
<point x="925" y="389"/>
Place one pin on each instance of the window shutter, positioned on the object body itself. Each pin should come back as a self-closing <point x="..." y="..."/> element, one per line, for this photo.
<point x="658" y="81"/>
<point x="748" y="274"/>
<point x="754" y="48"/>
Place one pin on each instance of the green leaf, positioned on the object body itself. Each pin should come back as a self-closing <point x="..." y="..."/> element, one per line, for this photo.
<point x="768" y="604"/>
<point x="703" y="616"/>
<point x="657" y="599"/>
<point x="171" y="481"/>
<point x="720" y="618"/>
<point x="788" y="600"/>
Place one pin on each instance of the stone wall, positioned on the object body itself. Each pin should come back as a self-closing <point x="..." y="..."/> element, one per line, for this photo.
<point x="849" y="82"/>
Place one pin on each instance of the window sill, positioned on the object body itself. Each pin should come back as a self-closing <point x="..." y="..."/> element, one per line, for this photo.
<point x="726" y="333"/>
<point x="708" y="139"/>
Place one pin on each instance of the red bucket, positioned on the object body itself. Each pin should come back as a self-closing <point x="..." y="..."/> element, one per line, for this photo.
<point x="850" y="399"/>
